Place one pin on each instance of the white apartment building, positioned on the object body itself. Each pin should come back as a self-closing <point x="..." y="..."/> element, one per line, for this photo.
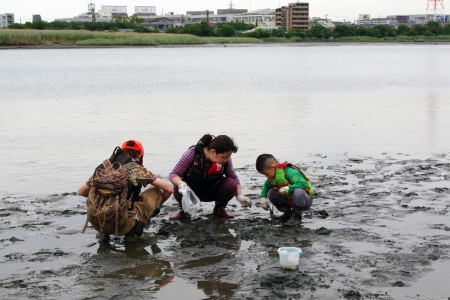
<point x="6" y="19"/>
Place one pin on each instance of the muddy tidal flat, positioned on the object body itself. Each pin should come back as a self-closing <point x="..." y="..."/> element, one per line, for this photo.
<point x="378" y="229"/>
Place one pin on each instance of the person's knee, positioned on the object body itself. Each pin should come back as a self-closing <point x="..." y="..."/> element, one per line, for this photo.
<point x="301" y="198"/>
<point x="271" y="194"/>
<point x="229" y="187"/>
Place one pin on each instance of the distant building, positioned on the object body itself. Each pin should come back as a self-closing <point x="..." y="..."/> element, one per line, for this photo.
<point x="199" y="12"/>
<point x="37" y="18"/>
<point x="376" y="21"/>
<point x="257" y="16"/>
<point x="6" y="20"/>
<point x="402" y="20"/>
<point x="144" y="11"/>
<point x="105" y="14"/>
<point x="116" y="11"/>
<point x="173" y="18"/>
<point x="87" y="17"/>
<point x="293" y="16"/>
<point x="162" y="24"/>
<point x="231" y="11"/>
<point x="419" y="19"/>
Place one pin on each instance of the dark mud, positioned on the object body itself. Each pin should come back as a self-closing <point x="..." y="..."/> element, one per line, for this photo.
<point x="378" y="229"/>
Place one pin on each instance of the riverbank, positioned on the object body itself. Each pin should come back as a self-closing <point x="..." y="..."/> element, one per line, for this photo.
<point x="378" y="229"/>
<point x="11" y="38"/>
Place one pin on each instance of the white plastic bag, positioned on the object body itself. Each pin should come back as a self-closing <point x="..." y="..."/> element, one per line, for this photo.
<point x="190" y="201"/>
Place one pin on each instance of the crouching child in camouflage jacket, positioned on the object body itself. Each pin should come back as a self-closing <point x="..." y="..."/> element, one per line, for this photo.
<point x="115" y="204"/>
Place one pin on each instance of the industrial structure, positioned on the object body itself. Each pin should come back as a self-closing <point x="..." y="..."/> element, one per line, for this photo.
<point x="293" y="16"/>
<point x="435" y="11"/>
<point x="231" y="10"/>
<point x="91" y="8"/>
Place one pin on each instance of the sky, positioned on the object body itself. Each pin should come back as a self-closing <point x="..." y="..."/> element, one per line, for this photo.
<point x="335" y="9"/>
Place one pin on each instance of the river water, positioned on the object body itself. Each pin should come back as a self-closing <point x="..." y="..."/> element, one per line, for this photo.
<point x="365" y="119"/>
<point x="64" y="110"/>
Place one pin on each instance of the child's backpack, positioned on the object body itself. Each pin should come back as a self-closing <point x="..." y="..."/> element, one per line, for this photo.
<point x="107" y="203"/>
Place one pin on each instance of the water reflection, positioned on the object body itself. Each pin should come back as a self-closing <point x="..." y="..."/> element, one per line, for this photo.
<point x="216" y="289"/>
<point x="431" y="117"/>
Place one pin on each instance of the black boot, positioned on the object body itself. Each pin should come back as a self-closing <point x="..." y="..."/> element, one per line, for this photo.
<point x="298" y="211"/>
<point x="284" y="208"/>
<point x="284" y="217"/>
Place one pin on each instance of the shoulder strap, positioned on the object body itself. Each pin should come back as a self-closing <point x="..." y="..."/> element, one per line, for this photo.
<point x="107" y="164"/>
<point x="288" y="164"/>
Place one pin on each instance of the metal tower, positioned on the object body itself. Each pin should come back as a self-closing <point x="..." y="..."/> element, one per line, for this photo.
<point x="91" y="8"/>
<point x="231" y="5"/>
<point x="435" y="11"/>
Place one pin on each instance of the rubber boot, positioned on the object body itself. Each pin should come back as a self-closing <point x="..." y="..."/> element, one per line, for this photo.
<point x="285" y="209"/>
<point x="284" y="217"/>
<point x="220" y="211"/>
<point x="298" y="211"/>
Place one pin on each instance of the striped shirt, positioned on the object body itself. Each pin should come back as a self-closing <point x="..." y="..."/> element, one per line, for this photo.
<point x="186" y="161"/>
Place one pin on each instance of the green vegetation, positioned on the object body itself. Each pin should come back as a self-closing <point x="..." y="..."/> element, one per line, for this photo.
<point x="87" y="38"/>
<point x="117" y="23"/>
<point x="106" y="34"/>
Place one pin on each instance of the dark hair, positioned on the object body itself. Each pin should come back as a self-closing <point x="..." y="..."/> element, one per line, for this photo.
<point x="261" y="161"/>
<point x="220" y="143"/>
<point x="131" y="153"/>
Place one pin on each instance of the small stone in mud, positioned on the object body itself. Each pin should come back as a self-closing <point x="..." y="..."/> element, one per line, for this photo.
<point x="356" y="160"/>
<point x="352" y="295"/>
<point x="398" y="284"/>
<point x="14" y="239"/>
<point x="323" y="213"/>
<point x="433" y="257"/>
<point x="265" y="284"/>
<point x="323" y="231"/>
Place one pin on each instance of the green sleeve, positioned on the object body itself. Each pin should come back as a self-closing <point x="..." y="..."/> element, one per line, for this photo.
<point x="296" y="179"/>
<point x="265" y="189"/>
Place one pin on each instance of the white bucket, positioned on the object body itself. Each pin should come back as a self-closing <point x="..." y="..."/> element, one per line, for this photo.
<point x="289" y="257"/>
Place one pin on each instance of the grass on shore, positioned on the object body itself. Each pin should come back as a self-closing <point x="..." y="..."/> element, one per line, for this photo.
<point x="18" y="37"/>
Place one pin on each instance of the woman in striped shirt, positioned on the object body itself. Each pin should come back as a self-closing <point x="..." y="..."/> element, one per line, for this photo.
<point x="207" y="169"/>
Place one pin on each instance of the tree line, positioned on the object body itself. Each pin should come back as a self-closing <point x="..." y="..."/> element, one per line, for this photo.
<point x="380" y="31"/>
<point x="228" y="29"/>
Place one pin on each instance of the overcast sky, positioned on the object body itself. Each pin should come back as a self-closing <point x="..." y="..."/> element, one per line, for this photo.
<point x="336" y="9"/>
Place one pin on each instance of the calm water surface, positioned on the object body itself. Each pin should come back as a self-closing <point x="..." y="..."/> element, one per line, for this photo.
<point x="64" y="111"/>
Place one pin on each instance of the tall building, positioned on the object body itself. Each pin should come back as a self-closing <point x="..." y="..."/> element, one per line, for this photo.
<point x="6" y="19"/>
<point x="293" y="16"/>
<point x="37" y="18"/>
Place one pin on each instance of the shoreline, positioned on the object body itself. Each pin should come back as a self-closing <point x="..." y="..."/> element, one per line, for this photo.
<point x="264" y="44"/>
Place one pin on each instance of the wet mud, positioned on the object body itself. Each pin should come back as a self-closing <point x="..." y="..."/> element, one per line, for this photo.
<point x="379" y="228"/>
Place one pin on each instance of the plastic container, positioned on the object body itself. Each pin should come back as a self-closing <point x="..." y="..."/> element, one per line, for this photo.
<point x="289" y="257"/>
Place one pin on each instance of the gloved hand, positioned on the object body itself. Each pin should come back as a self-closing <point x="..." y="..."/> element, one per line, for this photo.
<point x="264" y="203"/>
<point x="284" y="190"/>
<point x="183" y="187"/>
<point x="244" y="201"/>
